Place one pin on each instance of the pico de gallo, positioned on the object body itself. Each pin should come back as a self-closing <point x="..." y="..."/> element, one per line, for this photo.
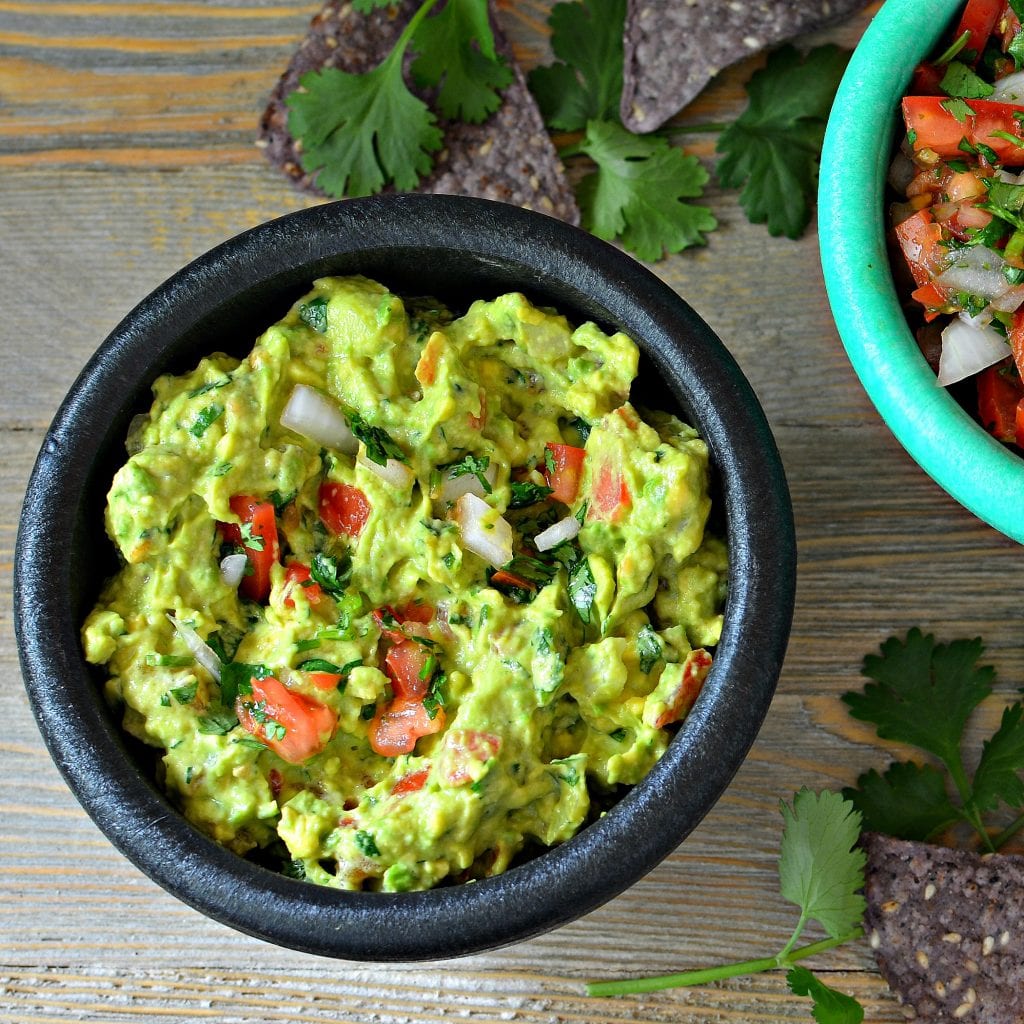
<point x="959" y="218"/>
<point x="405" y="594"/>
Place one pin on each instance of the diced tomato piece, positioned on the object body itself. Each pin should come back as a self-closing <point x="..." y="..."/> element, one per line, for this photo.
<point x="307" y="724"/>
<point x="503" y="578"/>
<point x="610" y="498"/>
<point x="344" y="509"/>
<point x="563" y="471"/>
<point x="937" y="129"/>
<point x="407" y="665"/>
<point x="466" y="751"/>
<point x="325" y="680"/>
<point x="258" y="517"/>
<point x="389" y="622"/>
<point x="695" y="671"/>
<point x="920" y="237"/>
<point x="931" y="297"/>
<point x="979" y="20"/>
<point x="298" y="575"/>
<point x="411" y="783"/>
<point x="1020" y="424"/>
<point x="413" y="612"/>
<point x="477" y="420"/>
<point x="426" y="367"/>
<point x="926" y="80"/>
<point x="396" y="728"/>
<point x="999" y="393"/>
<point x="1016" y="339"/>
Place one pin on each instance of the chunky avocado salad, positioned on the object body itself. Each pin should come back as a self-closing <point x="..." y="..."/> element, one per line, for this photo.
<point x="404" y="594"/>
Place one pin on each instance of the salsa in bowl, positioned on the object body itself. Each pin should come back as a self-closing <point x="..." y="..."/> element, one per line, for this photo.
<point x="457" y="251"/>
<point x="939" y="427"/>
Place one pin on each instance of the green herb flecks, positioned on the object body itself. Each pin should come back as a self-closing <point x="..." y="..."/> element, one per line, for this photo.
<point x="471" y="464"/>
<point x="207" y="416"/>
<point x="380" y="446"/>
<point x="648" y="647"/>
<point x="526" y="494"/>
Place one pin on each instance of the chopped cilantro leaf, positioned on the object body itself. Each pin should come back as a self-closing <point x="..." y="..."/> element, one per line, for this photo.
<point x="170" y="660"/>
<point x="209" y="386"/>
<point x="185" y="694"/>
<point x="380" y="446"/>
<point x="366" y="843"/>
<point x="314" y="314"/>
<point x="648" y="647"/>
<point x="435" y="698"/>
<point x="958" y="108"/>
<point x="582" y="589"/>
<point x="618" y="734"/>
<point x="477" y="465"/>
<point x="253" y="541"/>
<point x="830" y="1005"/>
<point x="526" y="494"/>
<point x="236" y="678"/>
<point x="960" y="80"/>
<point x="207" y="416"/>
<point x="217" y="723"/>
<point x="333" y="574"/>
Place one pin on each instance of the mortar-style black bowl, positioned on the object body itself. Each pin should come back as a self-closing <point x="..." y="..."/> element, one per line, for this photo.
<point x="457" y="249"/>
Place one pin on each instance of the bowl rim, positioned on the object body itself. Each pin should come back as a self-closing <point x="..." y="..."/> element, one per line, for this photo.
<point x="560" y="884"/>
<point x="963" y="458"/>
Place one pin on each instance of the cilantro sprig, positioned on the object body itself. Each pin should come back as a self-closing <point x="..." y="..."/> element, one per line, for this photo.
<point x="821" y="871"/>
<point x="362" y="132"/>
<point x="910" y="680"/>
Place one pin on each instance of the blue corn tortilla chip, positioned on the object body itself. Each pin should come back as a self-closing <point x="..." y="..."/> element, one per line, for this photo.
<point x="509" y="158"/>
<point x="947" y="929"/>
<point x="673" y="48"/>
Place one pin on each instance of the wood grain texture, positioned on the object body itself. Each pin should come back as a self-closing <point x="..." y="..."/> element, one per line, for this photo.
<point x="126" y="149"/>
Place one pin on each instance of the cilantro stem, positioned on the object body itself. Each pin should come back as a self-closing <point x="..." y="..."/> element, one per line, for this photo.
<point x="969" y="811"/>
<point x="1008" y="833"/>
<point x="632" y="986"/>
<point x="410" y="29"/>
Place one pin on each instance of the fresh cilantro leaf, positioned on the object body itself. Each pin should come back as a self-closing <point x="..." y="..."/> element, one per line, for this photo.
<point x="909" y="801"/>
<point x="1005" y="200"/>
<point x="367" y="844"/>
<point x="526" y="494"/>
<point x="914" y="678"/>
<point x="585" y="84"/>
<point x="236" y="678"/>
<point x="958" y="108"/>
<point x="362" y="132"/>
<point x="217" y="723"/>
<point x="830" y="1006"/>
<point x="185" y="694"/>
<point x="998" y="775"/>
<point x="648" y="646"/>
<point x="333" y="574"/>
<point x="637" y="192"/>
<point x="1016" y="50"/>
<point x="772" y="150"/>
<point x="435" y="698"/>
<point x="477" y="465"/>
<point x="961" y="80"/>
<point x="380" y="446"/>
<point x="582" y="589"/>
<point x="207" y="416"/>
<point x="209" y="386"/>
<point x="253" y="541"/>
<point x="314" y="314"/>
<point x="456" y="51"/>
<point x="820" y="866"/>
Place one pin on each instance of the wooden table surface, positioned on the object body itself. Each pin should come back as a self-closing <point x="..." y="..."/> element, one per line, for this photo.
<point x="126" y="149"/>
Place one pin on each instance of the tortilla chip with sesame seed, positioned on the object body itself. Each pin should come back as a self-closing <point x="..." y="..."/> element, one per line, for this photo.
<point x="947" y="929"/>
<point x="509" y="157"/>
<point x="673" y="48"/>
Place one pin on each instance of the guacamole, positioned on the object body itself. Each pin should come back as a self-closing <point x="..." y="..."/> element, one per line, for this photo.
<point x="404" y="594"/>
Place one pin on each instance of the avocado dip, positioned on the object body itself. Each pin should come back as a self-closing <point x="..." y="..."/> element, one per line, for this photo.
<point x="404" y="594"/>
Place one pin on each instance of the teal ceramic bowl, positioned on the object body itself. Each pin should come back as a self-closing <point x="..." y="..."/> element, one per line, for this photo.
<point x="942" y="438"/>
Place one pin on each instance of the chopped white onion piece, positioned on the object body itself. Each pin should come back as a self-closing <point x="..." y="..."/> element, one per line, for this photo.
<point x="200" y="650"/>
<point x="493" y="545"/>
<point x="968" y="349"/>
<point x="232" y="568"/>
<point x="1009" y="301"/>
<point x="977" y="270"/>
<point x="563" y="530"/>
<point x="393" y="472"/>
<point x="453" y="488"/>
<point x="1009" y="89"/>
<point x="314" y="415"/>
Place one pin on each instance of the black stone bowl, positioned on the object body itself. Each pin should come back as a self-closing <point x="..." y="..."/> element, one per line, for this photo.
<point x="457" y="249"/>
